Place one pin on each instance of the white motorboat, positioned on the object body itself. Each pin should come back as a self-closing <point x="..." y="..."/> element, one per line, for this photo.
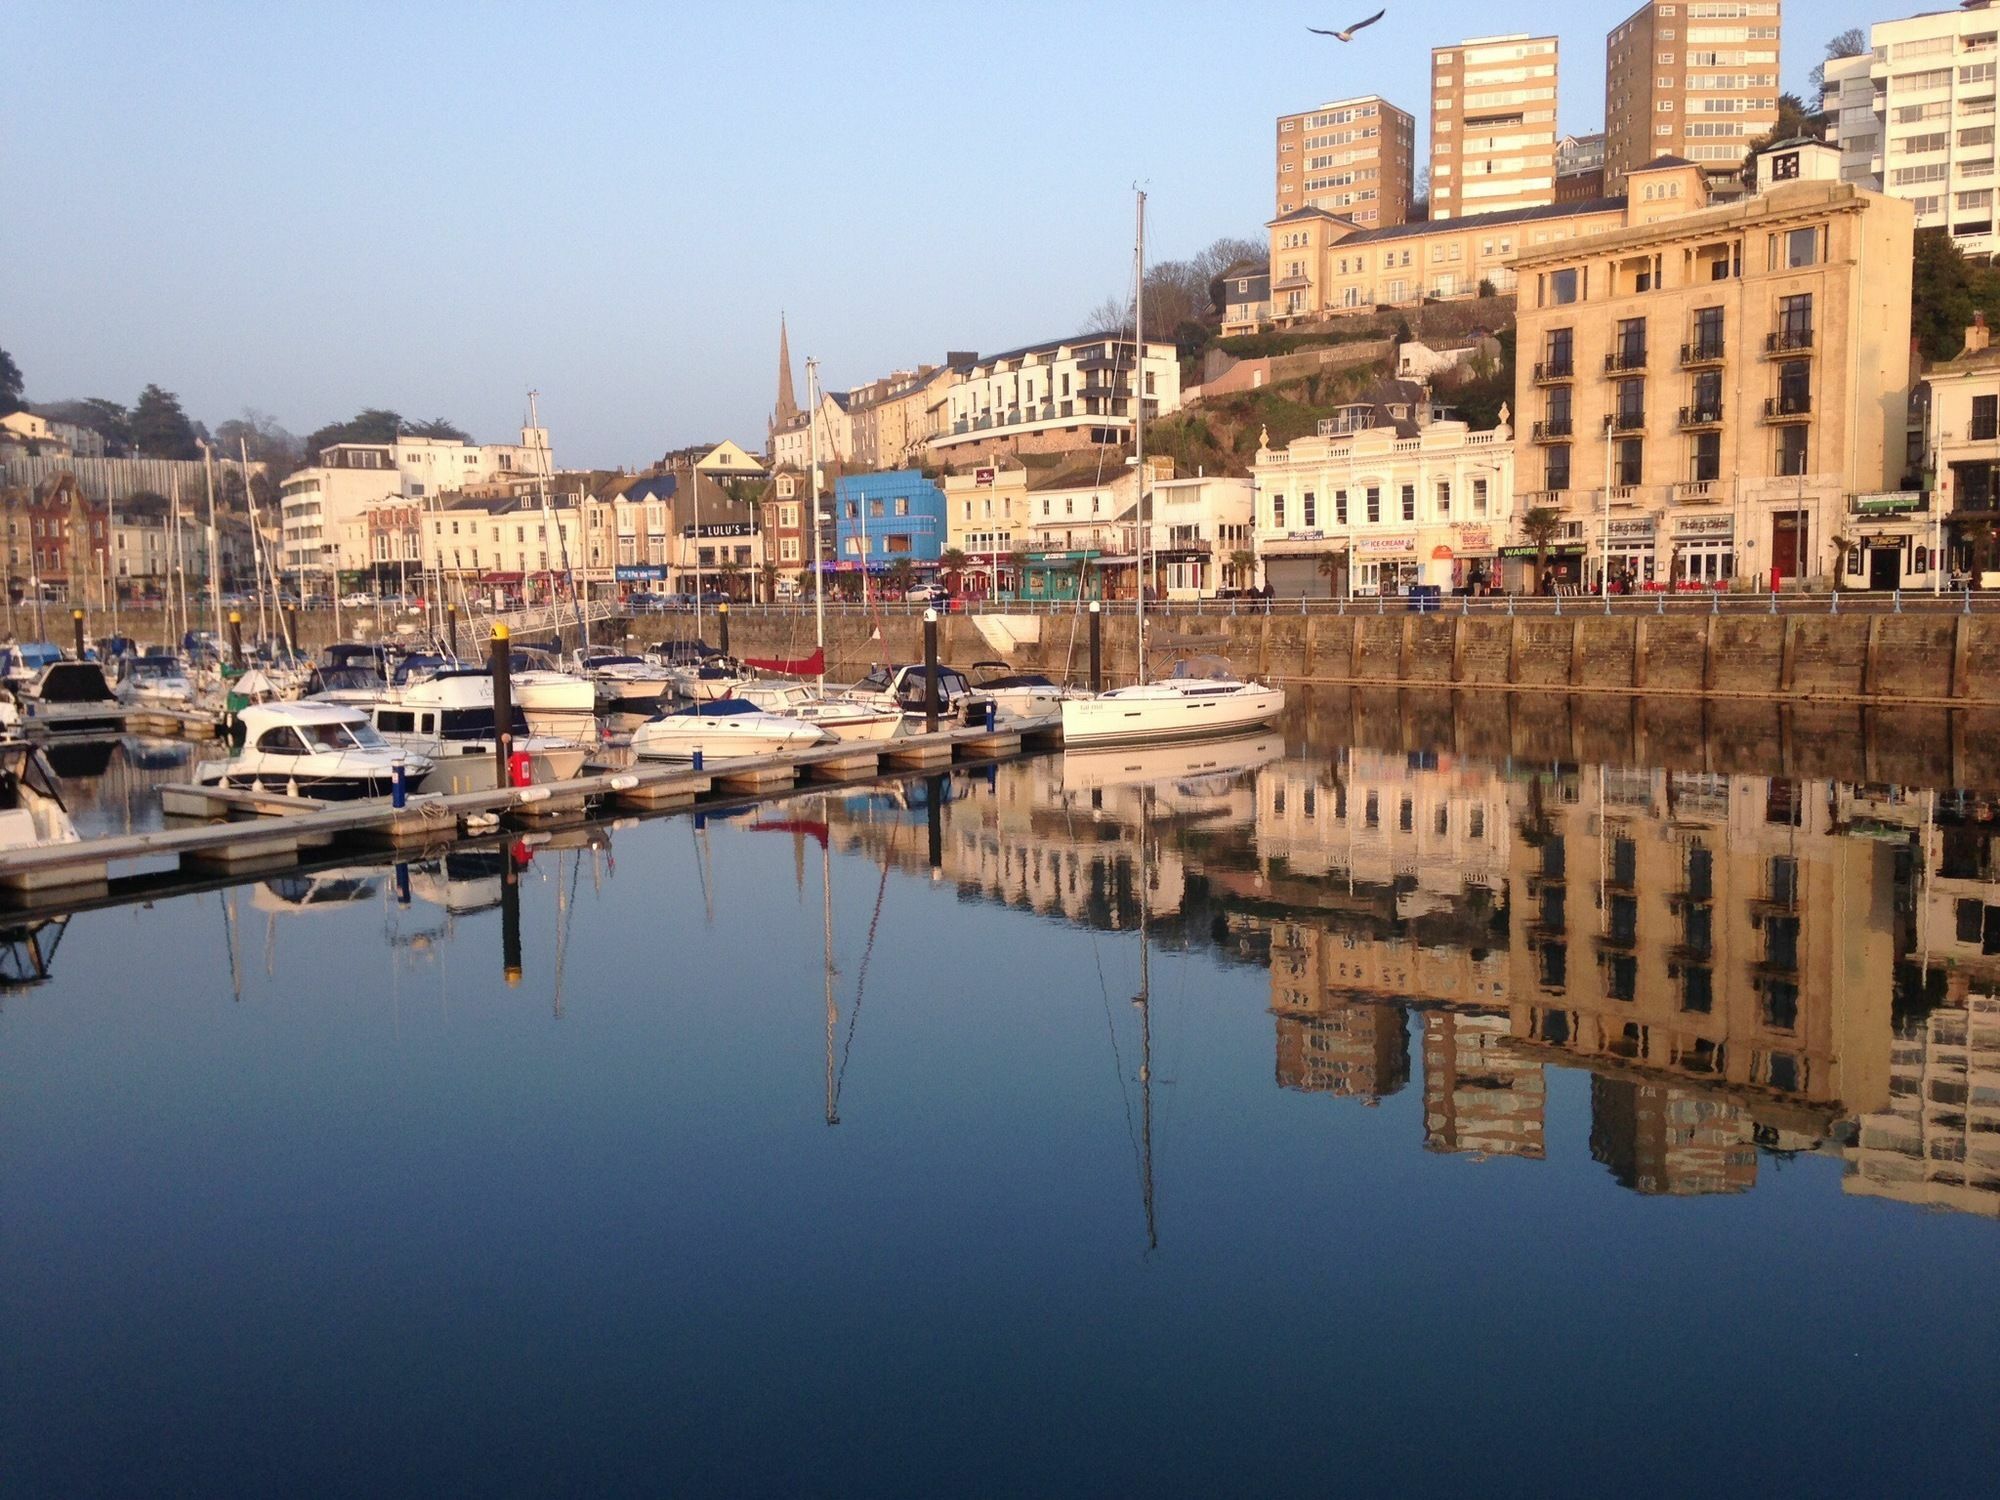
<point x="625" y="684"/>
<point x="327" y="751"/>
<point x="700" y="673"/>
<point x="556" y="702"/>
<point x="31" y="805"/>
<point x="1202" y="697"/>
<point x="847" y="718"/>
<point x="153" y="682"/>
<point x="726" y="727"/>
<point x="1020" y="695"/>
<point x="448" y="720"/>
<point x="902" y="688"/>
<point x="22" y="663"/>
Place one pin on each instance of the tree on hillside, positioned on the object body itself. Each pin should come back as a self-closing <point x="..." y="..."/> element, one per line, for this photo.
<point x="1850" y="43"/>
<point x="374" y="425"/>
<point x="107" y="419"/>
<point x="1179" y="293"/>
<point x="11" y="385"/>
<point x="439" y="428"/>
<point x="1541" y="526"/>
<point x="265" y="440"/>
<point x="160" y="429"/>
<point x="1794" y="119"/>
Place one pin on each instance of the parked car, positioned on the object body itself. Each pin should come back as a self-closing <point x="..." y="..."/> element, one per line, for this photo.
<point x="927" y="593"/>
<point x="356" y="601"/>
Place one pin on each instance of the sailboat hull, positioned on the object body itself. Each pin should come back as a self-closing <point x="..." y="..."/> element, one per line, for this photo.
<point x="1161" y="711"/>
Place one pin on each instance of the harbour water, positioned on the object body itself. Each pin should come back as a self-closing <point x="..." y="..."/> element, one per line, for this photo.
<point x="1278" y="1114"/>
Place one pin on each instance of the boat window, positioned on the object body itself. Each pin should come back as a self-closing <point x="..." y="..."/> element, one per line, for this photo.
<point x="877" y="680"/>
<point x="395" y="720"/>
<point x="280" y="741"/>
<point x="427" y="722"/>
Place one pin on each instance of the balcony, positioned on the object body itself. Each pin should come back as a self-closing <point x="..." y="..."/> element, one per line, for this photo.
<point x="1701" y="354"/>
<point x="1633" y="420"/>
<point x="1788" y="341"/>
<point x="1700" y="418"/>
<point x="1624" y="361"/>
<point x="1793" y="408"/>
<point x="1550" y="371"/>
<point x="1624" y="494"/>
<point x="1701" y="491"/>
<point x="1553" y="430"/>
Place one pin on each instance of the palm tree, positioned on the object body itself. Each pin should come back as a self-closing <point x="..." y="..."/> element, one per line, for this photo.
<point x="729" y="571"/>
<point x="953" y="561"/>
<point x="769" y="573"/>
<point x="805" y="581"/>
<point x="902" y="573"/>
<point x="1843" y="548"/>
<point x="1329" y="568"/>
<point x="1243" y="561"/>
<point x="1540" y="526"/>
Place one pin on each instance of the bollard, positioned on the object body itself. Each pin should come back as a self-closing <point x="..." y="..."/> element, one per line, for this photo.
<point x="235" y="637"/>
<point x="1899" y="601"/>
<point x="930" y="672"/>
<point x="1096" y="647"/>
<point x="934" y="818"/>
<point x="695" y="759"/>
<point x="76" y="618"/>
<point x="722" y="626"/>
<point x="992" y="715"/>
<point x="402" y="883"/>
<point x="503" y="705"/>
<point x="399" y="783"/>
<point x="292" y="626"/>
<point x="451" y="629"/>
<point x="1833" y="608"/>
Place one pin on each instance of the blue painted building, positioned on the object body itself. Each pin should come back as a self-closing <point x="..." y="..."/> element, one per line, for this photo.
<point x="884" y="518"/>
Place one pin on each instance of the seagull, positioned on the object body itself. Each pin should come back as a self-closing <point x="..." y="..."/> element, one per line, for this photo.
<point x="1348" y="34"/>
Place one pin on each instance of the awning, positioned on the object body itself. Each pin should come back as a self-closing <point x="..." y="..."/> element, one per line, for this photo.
<point x="500" y="577"/>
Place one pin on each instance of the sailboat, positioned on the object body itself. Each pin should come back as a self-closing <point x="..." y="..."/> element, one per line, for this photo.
<point x="1203" y="696"/>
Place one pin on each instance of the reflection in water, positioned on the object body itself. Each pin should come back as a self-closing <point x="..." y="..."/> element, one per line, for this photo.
<point x="1742" y="963"/>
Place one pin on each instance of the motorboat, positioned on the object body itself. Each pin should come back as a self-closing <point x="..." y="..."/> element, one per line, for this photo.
<point x="1016" y="694"/>
<point x="902" y="687"/>
<point x="626" y="684"/>
<point x="153" y="682"/>
<point x="24" y="661"/>
<point x="722" y="728"/>
<point x="71" y="697"/>
<point x="32" y="814"/>
<point x="448" y="719"/>
<point x="328" y="751"/>
<point x="848" y="718"/>
<point x="556" y="702"/>
<point x="1203" y="697"/>
<point x="700" y="672"/>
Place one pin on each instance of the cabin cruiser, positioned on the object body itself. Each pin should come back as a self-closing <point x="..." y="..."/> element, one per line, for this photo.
<point x="31" y="806"/>
<point x="556" y="702"/>
<point x="351" y="672"/>
<point x="1202" y="697"/>
<point x="700" y="672"/>
<point x="323" y="750"/>
<point x="724" y="727"/>
<point x="153" y="682"/>
<point x="625" y="684"/>
<point x="902" y="688"/>
<point x="1020" y="695"/>
<point x="22" y="663"/>
<point x="72" y="697"/>
<point x="847" y="718"/>
<point x="448" y="720"/>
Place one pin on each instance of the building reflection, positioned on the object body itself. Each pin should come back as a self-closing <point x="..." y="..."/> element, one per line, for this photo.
<point x="1745" y="966"/>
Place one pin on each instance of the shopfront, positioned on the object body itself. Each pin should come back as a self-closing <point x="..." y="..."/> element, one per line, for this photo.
<point x="1704" y="551"/>
<point x="1459" y="559"/>
<point x="1305" y="565"/>
<point x="1059" y="575"/>
<point x="1630" y="547"/>
<point x="1564" y="561"/>
<point x="1892" y="543"/>
<point x="1386" y="565"/>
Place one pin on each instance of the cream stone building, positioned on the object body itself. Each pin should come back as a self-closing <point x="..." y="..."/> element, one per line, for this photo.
<point x="1705" y="386"/>
<point x="1965" y="457"/>
<point x="1493" y="125"/>
<point x="1355" y="157"/>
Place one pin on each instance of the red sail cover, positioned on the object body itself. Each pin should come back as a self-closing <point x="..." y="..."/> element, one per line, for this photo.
<point x="790" y="666"/>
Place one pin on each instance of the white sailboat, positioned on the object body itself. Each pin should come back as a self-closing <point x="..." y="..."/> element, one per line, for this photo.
<point x="1203" y="696"/>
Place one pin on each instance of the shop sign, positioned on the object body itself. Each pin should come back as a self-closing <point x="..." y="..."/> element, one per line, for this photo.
<point x="639" y="573"/>
<point x="1475" y="538"/>
<point x="722" y="528"/>
<point x="1383" y="546"/>
<point x="1899" y="500"/>
<point x="1305" y="536"/>
<point x="1556" y="550"/>
<point x="982" y="476"/>
<point x="1633" y="530"/>
<point x="1705" y="527"/>
<point x="1440" y="553"/>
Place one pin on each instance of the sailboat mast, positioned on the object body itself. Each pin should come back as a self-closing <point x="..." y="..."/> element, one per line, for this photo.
<point x="1139" y="426"/>
<point x="832" y="1010"/>
<point x="1144" y="1001"/>
<point x="819" y="562"/>
<point x="257" y="550"/>
<point x="214" y="562"/>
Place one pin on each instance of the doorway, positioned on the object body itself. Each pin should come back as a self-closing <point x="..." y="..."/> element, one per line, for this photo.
<point x="1885" y="567"/>
<point x="1788" y="547"/>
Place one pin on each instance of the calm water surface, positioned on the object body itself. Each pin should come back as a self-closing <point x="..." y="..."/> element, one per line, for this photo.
<point x="1466" y="1128"/>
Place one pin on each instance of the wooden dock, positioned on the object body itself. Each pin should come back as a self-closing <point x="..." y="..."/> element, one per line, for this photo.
<point x="260" y="831"/>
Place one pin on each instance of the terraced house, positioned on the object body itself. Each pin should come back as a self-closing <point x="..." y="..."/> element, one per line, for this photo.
<point x="1057" y="397"/>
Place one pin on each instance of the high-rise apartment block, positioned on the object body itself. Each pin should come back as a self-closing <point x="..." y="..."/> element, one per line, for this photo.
<point x="1695" y="80"/>
<point x="1493" y="125"/>
<point x="1914" y="118"/>
<point x="1354" y="157"/>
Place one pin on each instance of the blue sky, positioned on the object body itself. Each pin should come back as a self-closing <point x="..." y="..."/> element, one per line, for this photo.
<point x="314" y="208"/>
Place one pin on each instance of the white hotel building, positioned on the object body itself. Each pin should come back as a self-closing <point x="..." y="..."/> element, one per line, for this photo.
<point x="1057" y="397"/>
<point x="1914" y="118"/>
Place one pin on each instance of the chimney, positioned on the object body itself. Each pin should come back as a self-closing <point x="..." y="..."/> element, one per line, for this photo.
<point x="1977" y="337"/>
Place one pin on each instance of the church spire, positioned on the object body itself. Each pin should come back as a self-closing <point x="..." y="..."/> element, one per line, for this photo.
<point x="788" y="405"/>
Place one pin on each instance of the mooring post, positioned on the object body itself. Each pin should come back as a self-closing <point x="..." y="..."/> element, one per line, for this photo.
<point x="930" y="672"/>
<point x="235" y="636"/>
<point x="510" y="919"/>
<point x="76" y="618"/>
<point x="1096" y="647"/>
<point x="722" y="626"/>
<point x="503" y="705"/>
<point x="451" y="629"/>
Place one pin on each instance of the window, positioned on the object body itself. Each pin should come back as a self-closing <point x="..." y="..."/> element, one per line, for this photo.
<point x="1794" y="249"/>
<point x="1374" y="503"/>
<point x="1794" y="387"/>
<point x="1309" y="510"/>
<point x="1278" y="511"/>
<point x="1556" y="474"/>
<point x="902" y="506"/>
<point x="1631" y="460"/>
<point x="1340" y="507"/>
<point x="1444" y="499"/>
<point x="1792" y="450"/>
<point x="1560" y="288"/>
<point x="1479" y="498"/>
<point x="1795" y="321"/>
<point x="1409" y="497"/>
<point x="1708" y="333"/>
<point x="1707" y="465"/>
<point x="1632" y="344"/>
<point x="1631" y="411"/>
<point x="1561" y="352"/>
<point x="1985" y="419"/>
